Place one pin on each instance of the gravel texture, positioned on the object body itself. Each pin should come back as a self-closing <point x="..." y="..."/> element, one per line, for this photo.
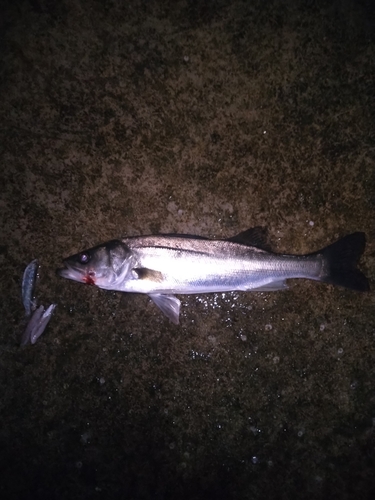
<point x="126" y="118"/>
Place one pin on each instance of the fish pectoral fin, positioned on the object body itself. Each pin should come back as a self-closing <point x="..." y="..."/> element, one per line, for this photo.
<point x="168" y="304"/>
<point x="143" y="273"/>
<point x="271" y="287"/>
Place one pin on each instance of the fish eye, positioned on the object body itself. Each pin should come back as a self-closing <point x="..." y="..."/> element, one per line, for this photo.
<point x="84" y="258"/>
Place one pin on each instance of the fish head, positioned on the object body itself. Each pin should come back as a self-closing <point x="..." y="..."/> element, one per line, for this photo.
<point x="105" y="265"/>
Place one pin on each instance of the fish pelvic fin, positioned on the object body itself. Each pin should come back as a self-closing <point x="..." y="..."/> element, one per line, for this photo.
<point x="340" y="262"/>
<point x="168" y="304"/>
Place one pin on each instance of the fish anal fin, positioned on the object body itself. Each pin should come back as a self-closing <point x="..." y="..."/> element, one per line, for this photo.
<point x="255" y="237"/>
<point x="143" y="273"/>
<point x="271" y="287"/>
<point x="168" y="304"/>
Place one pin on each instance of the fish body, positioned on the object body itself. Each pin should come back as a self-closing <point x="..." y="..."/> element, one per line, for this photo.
<point x="164" y="265"/>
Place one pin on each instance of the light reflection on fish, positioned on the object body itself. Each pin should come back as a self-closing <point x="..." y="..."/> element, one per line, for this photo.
<point x="164" y="265"/>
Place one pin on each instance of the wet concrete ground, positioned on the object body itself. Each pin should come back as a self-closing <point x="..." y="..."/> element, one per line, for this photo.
<point x="202" y="118"/>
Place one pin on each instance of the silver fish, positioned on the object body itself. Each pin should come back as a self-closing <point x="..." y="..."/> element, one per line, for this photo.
<point x="163" y="265"/>
<point x="37" y="324"/>
<point x="28" y="285"/>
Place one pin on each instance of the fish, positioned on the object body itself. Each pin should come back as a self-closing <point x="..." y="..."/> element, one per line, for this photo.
<point x="164" y="265"/>
<point x="37" y="324"/>
<point x="28" y="285"/>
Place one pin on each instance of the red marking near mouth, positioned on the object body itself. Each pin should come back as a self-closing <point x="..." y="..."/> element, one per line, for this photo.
<point x="89" y="280"/>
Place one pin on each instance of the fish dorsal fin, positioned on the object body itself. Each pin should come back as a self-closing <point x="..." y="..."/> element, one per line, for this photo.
<point x="254" y="237"/>
<point x="143" y="273"/>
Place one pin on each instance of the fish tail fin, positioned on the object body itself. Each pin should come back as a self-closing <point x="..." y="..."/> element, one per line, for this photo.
<point x="340" y="262"/>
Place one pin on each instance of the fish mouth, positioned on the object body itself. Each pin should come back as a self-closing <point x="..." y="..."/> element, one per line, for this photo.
<point x="70" y="272"/>
<point x="75" y="273"/>
<point x="63" y="272"/>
